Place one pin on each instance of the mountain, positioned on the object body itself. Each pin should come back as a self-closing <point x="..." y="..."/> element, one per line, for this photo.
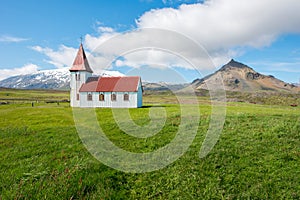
<point x="46" y="79"/>
<point x="60" y="79"/>
<point x="52" y="79"/>
<point x="162" y="86"/>
<point x="240" y="77"/>
<point x="236" y="77"/>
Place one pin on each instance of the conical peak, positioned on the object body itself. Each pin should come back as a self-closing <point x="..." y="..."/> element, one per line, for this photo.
<point x="234" y="64"/>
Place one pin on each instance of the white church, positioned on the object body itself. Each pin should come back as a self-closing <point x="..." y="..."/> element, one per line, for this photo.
<point x="110" y="92"/>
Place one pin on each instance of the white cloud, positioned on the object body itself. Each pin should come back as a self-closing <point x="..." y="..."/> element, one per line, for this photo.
<point x="105" y="29"/>
<point x="26" y="69"/>
<point x="92" y="42"/>
<point x="171" y="2"/>
<point x="292" y="66"/>
<point x="222" y="27"/>
<point x="63" y="57"/>
<point x="6" y="38"/>
<point x="155" y="58"/>
<point x="156" y="47"/>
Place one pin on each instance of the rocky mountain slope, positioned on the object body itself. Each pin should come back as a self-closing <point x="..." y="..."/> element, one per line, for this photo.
<point x="239" y="77"/>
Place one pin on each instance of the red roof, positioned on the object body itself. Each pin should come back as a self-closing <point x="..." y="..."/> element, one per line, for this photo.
<point x="90" y="85"/>
<point x="81" y="63"/>
<point x="118" y="84"/>
<point x="112" y="84"/>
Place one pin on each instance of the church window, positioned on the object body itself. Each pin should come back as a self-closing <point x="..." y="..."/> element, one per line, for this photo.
<point x="90" y="97"/>
<point x="101" y="97"/>
<point x="126" y="97"/>
<point x="113" y="97"/>
<point x="77" y="77"/>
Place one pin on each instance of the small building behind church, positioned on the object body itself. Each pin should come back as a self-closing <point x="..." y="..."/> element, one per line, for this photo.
<point x="110" y="92"/>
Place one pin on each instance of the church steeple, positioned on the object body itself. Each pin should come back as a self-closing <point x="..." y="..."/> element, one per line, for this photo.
<point x="80" y="72"/>
<point x="81" y="63"/>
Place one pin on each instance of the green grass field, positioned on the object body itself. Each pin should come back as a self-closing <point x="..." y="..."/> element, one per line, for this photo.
<point x="42" y="156"/>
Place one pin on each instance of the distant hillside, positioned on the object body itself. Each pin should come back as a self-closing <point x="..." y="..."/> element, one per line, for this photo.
<point x="161" y="86"/>
<point x="46" y="79"/>
<point x="236" y="77"/>
<point x="239" y="77"/>
<point x="60" y="79"/>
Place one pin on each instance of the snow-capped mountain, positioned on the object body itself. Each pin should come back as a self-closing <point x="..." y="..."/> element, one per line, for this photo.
<point x="46" y="79"/>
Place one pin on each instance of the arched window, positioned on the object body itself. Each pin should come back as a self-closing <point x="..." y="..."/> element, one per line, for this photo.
<point x="90" y="97"/>
<point x="101" y="97"/>
<point x="77" y="77"/>
<point x="126" y="97"/>
<point x="113" y="97"/>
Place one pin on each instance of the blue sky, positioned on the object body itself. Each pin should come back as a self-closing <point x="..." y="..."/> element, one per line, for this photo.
<point x="264" y="34"/>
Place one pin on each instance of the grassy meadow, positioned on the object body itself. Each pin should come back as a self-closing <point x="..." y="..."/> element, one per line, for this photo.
<point x="42" y="156"/>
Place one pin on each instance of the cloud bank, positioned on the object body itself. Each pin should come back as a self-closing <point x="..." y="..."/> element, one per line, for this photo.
<point x="6" y="38"/>
<point x="224" y="28"/>
<point x="63" y="57"/>
<point x="26" y="69"/>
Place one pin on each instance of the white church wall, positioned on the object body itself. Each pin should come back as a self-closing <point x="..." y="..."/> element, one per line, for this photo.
<point x="77" y="80"/>
<point x="107" y="103"/>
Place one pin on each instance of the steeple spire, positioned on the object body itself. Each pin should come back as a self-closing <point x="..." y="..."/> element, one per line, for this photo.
<point x="81" y="63"/>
